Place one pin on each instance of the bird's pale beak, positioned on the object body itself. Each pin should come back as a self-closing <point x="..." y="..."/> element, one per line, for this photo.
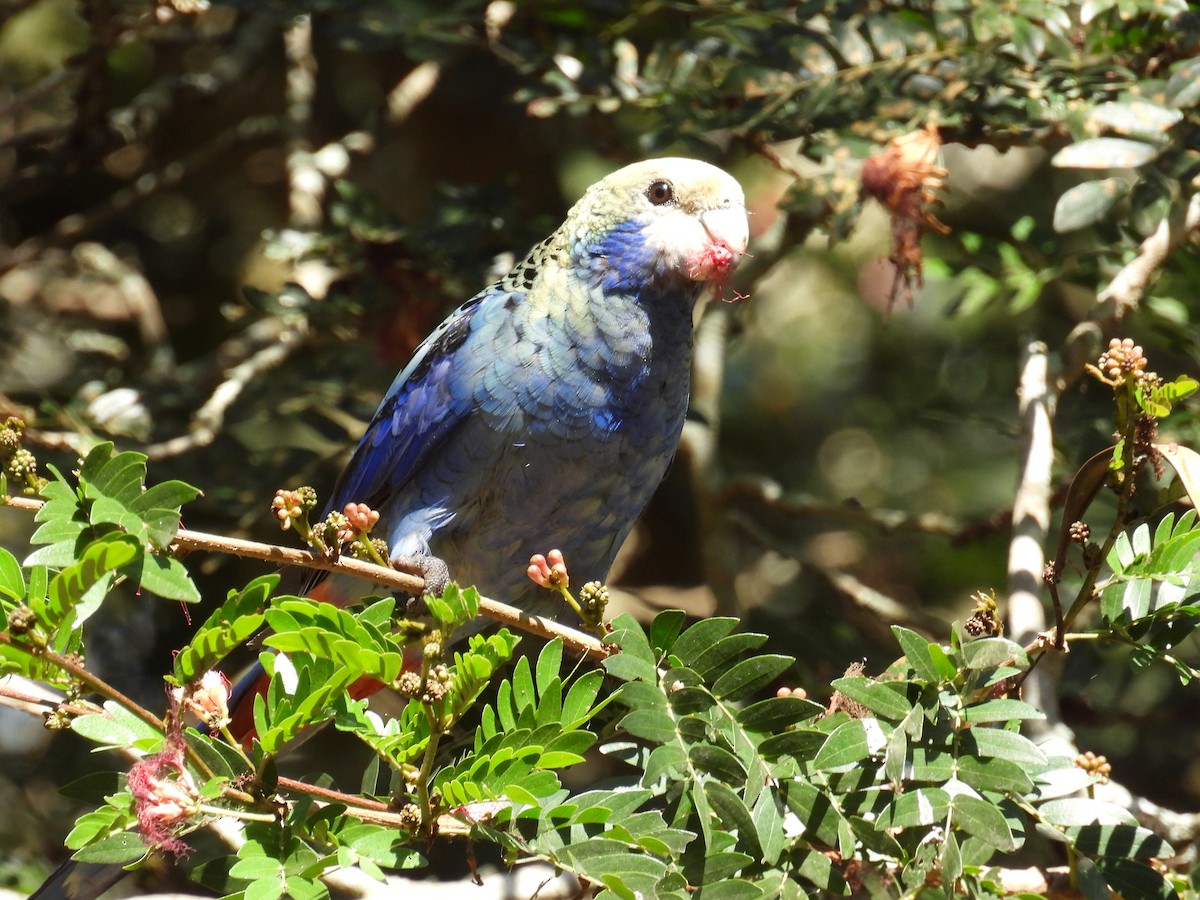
<point x="729" y="228"/>
<point x="728" y="233"/>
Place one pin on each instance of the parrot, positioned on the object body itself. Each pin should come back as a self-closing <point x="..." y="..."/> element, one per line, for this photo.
<point x="545" y="410"/>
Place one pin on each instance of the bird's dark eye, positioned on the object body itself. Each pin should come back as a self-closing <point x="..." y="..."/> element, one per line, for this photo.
<point x="660" y="192"/>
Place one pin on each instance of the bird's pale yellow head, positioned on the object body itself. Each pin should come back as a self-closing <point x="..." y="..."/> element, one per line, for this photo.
<point x="670" y="218"/>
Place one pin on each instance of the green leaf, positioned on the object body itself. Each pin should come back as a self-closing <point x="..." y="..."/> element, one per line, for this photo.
<point x="381" y="844"/>
<point x="751" y="675"/>
<point x="1135" y="118"/>
<point x="1002" y="744"/>
<point x="718" y="762"/>
<point x="114" y="816"/>
<point x="984" y="820"/>
<point x="701" y="636"/>
<point x="115" y="485"/>
<point x="165" y="576"/>
<point x="117" y="849"/>
<point x="1084" y="811"/>
<point x="768" y="822"/>
<point x="666" y="761"/>
<point x="1089" y="880"/>
<point x="776" y="713"/>
<point x="733" y="812"/>
<point x="1183" y="87"/>
<point x="729" y="890"/>
<point x="800" y="743"/>
<point x="1105" y="153"/>
<point x="881" y="697"/>
<point x="70" y="588"/>
<point x="12" y="582"/>
<point x="993" y="774"/>
<point x="115" y="727"/>
<point x="549" y="664"/>
<point x="717" y="658"/>
<point x="1130" y="841"/>
<point x="233" y="622"/>
<point x="523" y="694"/>
<point x="636" y="661"/>
<point x="850" y="743"/>
<point x="1129" y="878"/>
<point x="946" y="669"/>
<point x="817" y="868"/>
<point x="650" y="724"/>
<point x="951" y="863"/>
<point x="916" y="651"/>
<point x="1088" y="203"/>
<point x="987" y="653"/>
<point x="665" y="629"/>
<point x="577" y="705"/>
<point x="1001" y="710"/>
<point x="924" y="806"/>
<point x="724" y="864"/>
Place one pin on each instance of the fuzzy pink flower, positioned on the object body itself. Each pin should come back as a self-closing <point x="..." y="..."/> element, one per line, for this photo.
<point x="164" y="796"/>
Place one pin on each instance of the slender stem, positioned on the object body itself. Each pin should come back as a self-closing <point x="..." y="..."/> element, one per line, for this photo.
<point x="86" y="678"/>
<point x="302" y="787"/>
<point x="1087" y="590"/>
<point x="584" y="644"/>
<point x="236" y="745"/>
<point x="244" y="814"/>
<point x="433" y="716"/>
<point x="24" y="701"/>
<point x="104" y="689"/>
<point x="364" y="541"/>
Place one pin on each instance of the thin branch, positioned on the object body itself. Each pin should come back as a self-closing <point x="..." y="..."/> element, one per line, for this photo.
<point x="1126" y="291"/>
<point x="208" y="419"/>
<point x="584" y="644"/>
<point x="36" y="704"/>
<point x="86" y="678"/>
<point x="1031" y="520"/>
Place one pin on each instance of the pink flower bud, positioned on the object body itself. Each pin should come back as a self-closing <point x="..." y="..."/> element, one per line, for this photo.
<point x="549" y="571"/>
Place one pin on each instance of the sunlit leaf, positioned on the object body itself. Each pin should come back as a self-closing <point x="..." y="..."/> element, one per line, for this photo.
<point x="1183" y="87"/>
<point x="1088" y="203"/>
<point x="1105" y="153"/>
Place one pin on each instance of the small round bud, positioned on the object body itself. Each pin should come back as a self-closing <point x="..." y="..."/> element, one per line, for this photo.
<point x="593" y="597"/>
<point x="409" y="683"/>
<point x="21" y="620"/>
<point x="22" y="464"/>
<point x="410" y="817"/>
<point x="1095" y="764"/>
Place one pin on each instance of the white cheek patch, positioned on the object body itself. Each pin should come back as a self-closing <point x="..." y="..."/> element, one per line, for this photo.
<point x="706" y="247"/>
<point x="677" y="239"/>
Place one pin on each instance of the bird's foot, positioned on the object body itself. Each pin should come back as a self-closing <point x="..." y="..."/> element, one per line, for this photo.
<point x="432" y="569"/>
